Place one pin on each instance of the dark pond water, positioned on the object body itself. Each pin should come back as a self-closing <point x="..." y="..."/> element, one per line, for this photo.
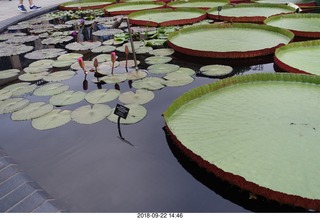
<point x="88" y="168"/>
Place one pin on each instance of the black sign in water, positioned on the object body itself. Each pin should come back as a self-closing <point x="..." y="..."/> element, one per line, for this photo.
<point x="121" y="111"/>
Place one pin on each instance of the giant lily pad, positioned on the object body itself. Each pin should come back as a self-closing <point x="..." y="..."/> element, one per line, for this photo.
<point x="203" y="4"/>
<point x="139" y="97"/>
<point x="85" y="4"/>
<point x="229" y="40"/>
<point x="299" y="57"/>
<point x="51" y="89"/>
<point x="136" y="114"/>
<point x="67" y="98"/>
<point x="52" y="120"/>
<point x="297" y="2"/>
<point x="256" y="13"/>
<point x="303" y="25"/>
<point x="258" y="132"/>
<point x="20" y="89"/>
<point x="102" y="96"/>
<point x="12" y="105"/>
<point x="33" y="110"/>
<point x="127" y="8"/>
<point x="90" y="114"/>
<point x="167" y="17"/>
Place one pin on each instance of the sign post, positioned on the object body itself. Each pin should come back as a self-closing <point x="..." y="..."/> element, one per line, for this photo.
<point x="122" y="112"/>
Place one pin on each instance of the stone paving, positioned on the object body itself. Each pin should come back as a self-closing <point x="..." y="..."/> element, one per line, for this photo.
<point x="18" y="192"/>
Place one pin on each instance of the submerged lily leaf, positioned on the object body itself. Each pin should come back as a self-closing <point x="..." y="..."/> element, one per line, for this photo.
<point x="32" y="77"/>
<point x="12" y="105"/>
<point x="33" y="110"/>
<point x="20" y="89"/>
<point x="149" y="83"/>
<point x="67" y="98"/>
<point x="52" y="120"/>
<point x="4" y="74"/>
<point x="45" y="54"/>
<point x="5" y="94"/>
<point x="90" y="114"/>
<point x="136" y="114"/>
<point x="59" y="76"/>
<point x="140" y="97"/>
<point x="102" y="96"/>
<point x="136" y="74"/>
<point x="152" y="60"/>
<point x="216" y="70"/>
<point x="115" y="78"/>
<point x="51" y="89"/>
<point x="163" y="68"/>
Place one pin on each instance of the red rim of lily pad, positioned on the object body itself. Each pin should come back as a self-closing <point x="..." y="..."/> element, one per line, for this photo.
<point x="154" y="5"/>
<point x="228" y="54"/>
<point x="100" y="4"/>
<point x="245" y="18"/>
<point x="192" y="19"/>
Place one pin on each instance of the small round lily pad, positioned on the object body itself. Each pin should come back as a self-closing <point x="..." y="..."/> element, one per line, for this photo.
<point x="62" y="63"/>
<point x="115" y="78"/>
<point x="52" y="120"/>
<point x="136" y="74"/>
<point x="59" y="76"/>
<point x="149" y="83"/>
<point x="136" y="114"/>
<point x="33" y="77"/>
<point x="140" y="97"/>
<point x="67" y="98"/>
<point x="4" y="74"/>
<point x="162" y="68"/>
<point x="36" y="69"/>
<point x="90" y="114"/>
<point x="20" y="89"/>
<point x="177" y="80"/>
<point x="103" y="49"/>
<point x="33" y="110"/>
<point x="12" y="105"/>
<point x="70" y="56"/>
<point x="216" y="70"/>
<point x="51" y="89"/>
<point x="183" y="71"/>
<point x="162" y="52"/>
<point x="157" y="60"/>
<point x="102" y="96"/>
<point x="45" y="53"/>
<point x="130" y="63"/>
<point x="42" y="63"/>
<point x="82" y="45"/>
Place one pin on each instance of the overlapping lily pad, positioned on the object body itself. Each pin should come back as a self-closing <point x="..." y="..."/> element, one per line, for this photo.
<point x="149" y="83"/>
<point x="152" y="60"/>
<point x="114" y="78"/>
<point x="5" y="94"/>
<point x="221" y="37"/>
<point x="162" y="52"/>
<point x="177" y="80"/>
<point x="45" y="53"/>
<point x="33" y="110"/>
<point x="299" y="57"/>
<point x="33" y="77"/>
<point x="20" y="89"/>
<point x="51" y="89"/>
<point x="167" y="17"/>
<point x="253" y="12"/>
<point x="82" y="46"/>
<point x="302" y="24"/>
<point x="54" y="119"/>
<point x="7" y="50"/>
<point x="136" y="74"/>
<point x="67" y="98"/>
<point x="162" y="68"/>
<point x="9" y="73"/>
<point x="13" y="104"/>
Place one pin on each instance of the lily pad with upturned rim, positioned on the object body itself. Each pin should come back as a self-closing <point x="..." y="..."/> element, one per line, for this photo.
<point x="12" y="104"/>
<point x="203" y="4"/>
<point x="102" y="96"/>
<point x="33" y="110"/>
<point x="90" y="114"/>
<point x="54" y="119"/>
<point x="127" y="8"/>
<point x="136" y="114"/>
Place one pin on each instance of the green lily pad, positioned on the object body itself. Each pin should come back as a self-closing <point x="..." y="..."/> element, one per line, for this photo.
<point x="62" y="63"/>
<point x="88" y="65"/>
<point x="70" y="56"/>
<point x="149" y="83"/>
<point x="152" y="60"/>
<point x="59" y="76"/>
<point x="33" y="77"/>
<point x="86" y="45"/>
<point x="52" y="120"/>
<point x="105" y="68"/>
<point x="136" y="114"/>
<point x="216" y="70"/>
<point x="5" y="94"/>
<point x="45" y="54"/>
<point x="33" y="110"/>
<point x="67" y="98"/>
<point x="20" y="89"/>
<point x="90" y="114"/>
<point x="140" y="97"/>
<point x="130" y="63"/>
<point x="162" y="52"/>
<point x="103" y="58"/>
<point x="14" y="49"/>
<point x="115" y="78"/>
<point x="177" y="80"/>
<point x="102" y="96"/>
<point x="51" y="89"/>
<point x="22" y="39"/>
<point x="103" y="49"/>
<point x="56" y="40"/>
<point x="44" y="63"/>
<point x="183" y="71"/>
<point x="136" y="74"/>
<point x="162" y="68"/>
<point x="9" y="73"/>
<point x="37" y="69"/>
<point x="12" y="105"/>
